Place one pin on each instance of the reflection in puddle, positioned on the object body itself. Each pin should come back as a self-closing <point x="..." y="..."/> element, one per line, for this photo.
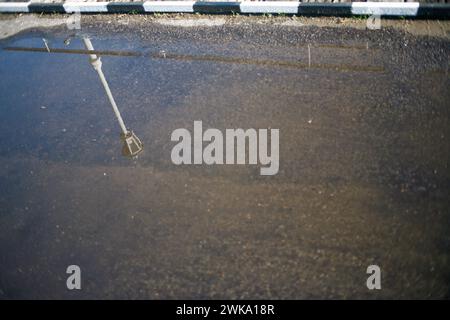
<point x="131" y="143"/>
<point x="363" y="168"/>
<point x="213" y="58"/>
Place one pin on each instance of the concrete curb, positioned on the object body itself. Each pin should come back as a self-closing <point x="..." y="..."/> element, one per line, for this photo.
<point x="388" y="9"/>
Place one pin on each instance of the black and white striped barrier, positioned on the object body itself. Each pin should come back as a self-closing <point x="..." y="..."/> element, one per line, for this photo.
<point x="405" y="9"/>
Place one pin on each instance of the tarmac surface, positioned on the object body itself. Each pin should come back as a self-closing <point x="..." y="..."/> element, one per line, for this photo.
<point x="364" y="175"/>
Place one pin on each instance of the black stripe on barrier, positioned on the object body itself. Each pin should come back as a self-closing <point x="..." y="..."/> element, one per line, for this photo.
<point x="127" y="7"/>
<point x="217" y="7"/>
<point x="434" y="10"/>
<point x="321" y="9"/>
<point x="425" y="10"/>
<point x="46" y="8"/>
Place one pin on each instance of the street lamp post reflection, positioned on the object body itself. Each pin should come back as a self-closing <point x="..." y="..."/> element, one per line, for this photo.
<point x="132" y="145"/>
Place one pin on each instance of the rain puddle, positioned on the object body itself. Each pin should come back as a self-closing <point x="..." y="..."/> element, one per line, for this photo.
<point x="364" y="128"/>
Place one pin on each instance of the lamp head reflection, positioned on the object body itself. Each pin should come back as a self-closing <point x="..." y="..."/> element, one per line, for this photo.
<point x="132" y="145"/>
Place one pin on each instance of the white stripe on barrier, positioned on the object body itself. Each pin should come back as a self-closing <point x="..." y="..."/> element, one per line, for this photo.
<point x="70" y="7"/>
<point x="386" y="8"/>
<point x="169" y="6"/>
<point x="408" y="9"/>
<point x="269" y="7"/>
<point x="14" y="7"/>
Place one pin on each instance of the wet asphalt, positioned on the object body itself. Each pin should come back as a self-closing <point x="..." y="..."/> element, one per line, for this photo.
<point x="364" y="163"/>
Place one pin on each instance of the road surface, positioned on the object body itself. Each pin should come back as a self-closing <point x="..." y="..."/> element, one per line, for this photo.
<point x="364" y="173"/>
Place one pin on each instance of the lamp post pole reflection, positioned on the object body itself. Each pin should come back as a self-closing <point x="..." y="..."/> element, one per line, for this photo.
<point x="132" y="145"/>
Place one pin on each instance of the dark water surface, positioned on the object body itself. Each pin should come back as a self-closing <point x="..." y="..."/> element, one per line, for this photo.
<point x="364" y="167"/>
